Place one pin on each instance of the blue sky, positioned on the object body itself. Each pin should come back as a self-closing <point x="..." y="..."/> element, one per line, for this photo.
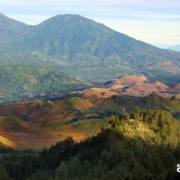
<point x="153" y="21"/>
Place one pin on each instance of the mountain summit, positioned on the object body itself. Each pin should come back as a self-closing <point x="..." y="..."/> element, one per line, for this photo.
<point x="88" y="50"/>
<point x="72" y="34"/>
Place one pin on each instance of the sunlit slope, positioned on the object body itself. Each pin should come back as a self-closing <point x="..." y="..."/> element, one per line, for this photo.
<point x="41" y="123"/>
<point x="4" y="142"/>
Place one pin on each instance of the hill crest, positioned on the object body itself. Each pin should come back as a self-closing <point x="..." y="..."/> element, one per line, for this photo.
<point x="133" y="85"/>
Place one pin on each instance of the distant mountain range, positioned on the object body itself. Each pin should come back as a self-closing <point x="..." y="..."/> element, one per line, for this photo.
<point x="83" y="49"/>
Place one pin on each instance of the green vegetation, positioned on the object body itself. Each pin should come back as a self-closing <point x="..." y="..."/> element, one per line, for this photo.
<point x="142" y="145"/>
<point x="152" y="101"/>
<point x="11" y="124"/>
<point x="154" y="126"/>
<point x="130" y="138"/>
<point x="4" y="174"/>
<point x="11" y="29"/>
<point x="41" y="123"/>
<point x="22" y="82"/>
<point x="85" y="49"/>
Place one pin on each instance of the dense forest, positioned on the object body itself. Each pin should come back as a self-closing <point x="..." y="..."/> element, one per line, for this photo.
<point x="143" y="144"/>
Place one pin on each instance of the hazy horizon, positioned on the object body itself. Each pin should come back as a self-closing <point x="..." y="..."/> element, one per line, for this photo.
<point x="154" y="22"/>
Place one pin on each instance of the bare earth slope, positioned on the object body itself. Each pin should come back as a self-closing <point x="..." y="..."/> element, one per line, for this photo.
<point x="134" y="85"/>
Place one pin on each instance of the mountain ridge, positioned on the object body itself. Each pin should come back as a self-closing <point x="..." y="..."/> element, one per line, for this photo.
<point x="11" y="29"/>
<point x="87" y="50"/>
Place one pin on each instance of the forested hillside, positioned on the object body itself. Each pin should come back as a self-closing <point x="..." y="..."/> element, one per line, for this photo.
<point x="19" y="82"/>
<point x="142" y="145"/>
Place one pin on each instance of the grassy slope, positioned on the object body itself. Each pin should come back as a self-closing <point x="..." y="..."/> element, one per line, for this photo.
<point x="42" y="123"/>
<point x="141" y="149"/>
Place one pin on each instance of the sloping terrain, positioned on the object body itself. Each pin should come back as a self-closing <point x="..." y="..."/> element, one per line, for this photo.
<point x="98" y="92"/>
<point x="41" y="123"/>
<point x="69" y="52"/>
<point x="133" y="85"/>
<point x="128" y="80"/>
<point x="6" y="143"/>
<point x="19" y="82"/>
<point x="85" y="49"/>
<point x="145" y="139"/>
<point x="11" y="29"/>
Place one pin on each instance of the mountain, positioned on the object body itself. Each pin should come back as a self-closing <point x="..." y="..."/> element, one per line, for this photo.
<point x="19" y="82"/>
<point x="11" y="29"/>
<point x="175" y="47"/>
<point x="85" y="49"/>
<point x="69" y="35"/>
